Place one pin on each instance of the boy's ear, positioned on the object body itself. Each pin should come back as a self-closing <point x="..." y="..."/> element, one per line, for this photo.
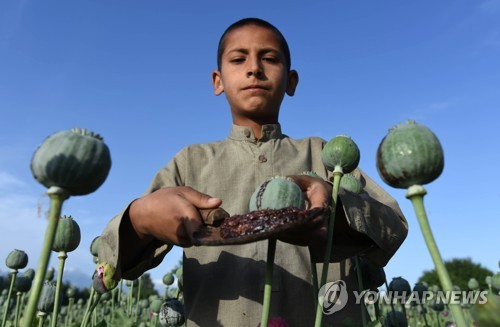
<point x="293" y="80"/>
<point x="217" y="82"/>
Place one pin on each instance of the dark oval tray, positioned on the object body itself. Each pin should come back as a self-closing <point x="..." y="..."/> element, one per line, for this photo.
<point x="210" y="235"/>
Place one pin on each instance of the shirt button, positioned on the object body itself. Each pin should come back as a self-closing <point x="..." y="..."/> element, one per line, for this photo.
<point x="262" y="158"/>
<point x="247" y="133"/>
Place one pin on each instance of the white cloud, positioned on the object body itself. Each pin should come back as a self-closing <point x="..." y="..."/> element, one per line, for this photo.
<point x="7" y="181"/>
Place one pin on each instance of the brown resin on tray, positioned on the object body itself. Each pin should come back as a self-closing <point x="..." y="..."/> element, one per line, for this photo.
<point x="260" y="221"/>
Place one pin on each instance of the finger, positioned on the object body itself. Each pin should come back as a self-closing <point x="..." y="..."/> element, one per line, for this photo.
<point x="198" y="199"/>
<point x="318" y="191"/>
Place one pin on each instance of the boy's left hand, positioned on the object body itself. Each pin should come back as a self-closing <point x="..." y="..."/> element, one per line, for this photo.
<point x="318" y="194"/>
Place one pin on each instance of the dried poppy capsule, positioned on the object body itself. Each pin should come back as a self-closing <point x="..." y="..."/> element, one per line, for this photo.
<point x="77" y="161"/>
<point x="409" y="155"/>
<point x="340" y="154"/>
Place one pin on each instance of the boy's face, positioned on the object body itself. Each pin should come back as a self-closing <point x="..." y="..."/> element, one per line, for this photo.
<point x="253" y="75"/>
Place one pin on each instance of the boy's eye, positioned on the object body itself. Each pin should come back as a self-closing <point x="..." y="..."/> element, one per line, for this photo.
<point x="270" y="59"/>
<point x="237" y="60"/>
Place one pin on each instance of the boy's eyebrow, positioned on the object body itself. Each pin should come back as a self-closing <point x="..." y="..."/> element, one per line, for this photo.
<point x="261" y="51"/>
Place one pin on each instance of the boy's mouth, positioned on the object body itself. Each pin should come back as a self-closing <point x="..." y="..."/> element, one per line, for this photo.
<point x="255" y="87"/>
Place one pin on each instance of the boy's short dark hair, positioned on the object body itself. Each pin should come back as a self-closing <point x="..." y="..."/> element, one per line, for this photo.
<point x="259" y="22"/>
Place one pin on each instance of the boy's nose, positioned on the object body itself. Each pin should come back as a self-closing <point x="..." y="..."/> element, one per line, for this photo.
<point x="254" y="68"/>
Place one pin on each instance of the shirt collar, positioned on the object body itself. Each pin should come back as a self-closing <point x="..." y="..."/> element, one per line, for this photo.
<point x="245" y="133"/>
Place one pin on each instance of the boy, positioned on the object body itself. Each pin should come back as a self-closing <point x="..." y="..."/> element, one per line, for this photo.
<point x="223" y="286"/>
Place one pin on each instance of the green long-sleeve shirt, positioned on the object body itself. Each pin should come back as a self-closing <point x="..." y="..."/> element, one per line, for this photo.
<point x="223" y="285"/>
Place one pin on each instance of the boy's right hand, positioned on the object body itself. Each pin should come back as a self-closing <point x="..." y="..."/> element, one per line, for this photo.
<point x="170" y="214"/>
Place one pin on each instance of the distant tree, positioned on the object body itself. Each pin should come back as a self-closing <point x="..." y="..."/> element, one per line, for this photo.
<point x="460" y="271"/>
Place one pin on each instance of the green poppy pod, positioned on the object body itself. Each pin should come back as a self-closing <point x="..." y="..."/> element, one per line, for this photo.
<point x="437" y="305"/>
<point x="70" y="292"/>
<point x="340" y="153"/>
<point x="495" y="282"/>
<point x="67" y="236"/>
<point x="30" y="272"/>
<point x="400" y="287"/>
<point x="168" y="279"/>
<point x="156" y="305"/>
<point x="473" y="284"/>
<point x="94" y="246"/>
<point x="409" y="155"/>
<point x="47" y="297"/>
<point x="395" y="319"/>
<point x="22" y="284"/>
<point x="50" y="274"/>
<point x="420" y="290"/>
<point x="77" y="161"/>
<point x="17" y="259"/>
<point x="172" y="313"/>
<point x="351" y="183"/>
<point x="277" y="193"/>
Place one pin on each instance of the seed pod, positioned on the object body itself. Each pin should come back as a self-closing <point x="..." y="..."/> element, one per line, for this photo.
<point x="67" y="236"/>
<point x="437" y="305"/>
<point x="103" y="278"/>
<point x="172" y="313"/>
<point x="395" y="319"/>
<point x="277" y="193"/>
<point x="30" y="272"/>
<point x="401" y="286"/>
<point x="22" y="284"/>
<point x="47" y="297"/>
<point x="495" y="282"/>
<point x="77" y="161"/>
<point x="340" y="153"/>
<point x="351" y="183"/>
<point x="70" y="292"/>
<point x="409" y="155"/>
<point x="473" y="284"/>
<point x="94" y="246"/>
<point x="50" y="274"/>
<point x="156" y="305"/>
<point x="16" y="260"/>
<point x="168" y="279"/>
<point x="419" y="289"/>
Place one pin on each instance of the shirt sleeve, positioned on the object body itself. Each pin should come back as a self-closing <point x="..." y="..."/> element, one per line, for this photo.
<point x="377" y="215"/>
<point x="118" y="231"/>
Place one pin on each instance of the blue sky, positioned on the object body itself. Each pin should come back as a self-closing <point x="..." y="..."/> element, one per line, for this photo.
<point x="139" y="73"/>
